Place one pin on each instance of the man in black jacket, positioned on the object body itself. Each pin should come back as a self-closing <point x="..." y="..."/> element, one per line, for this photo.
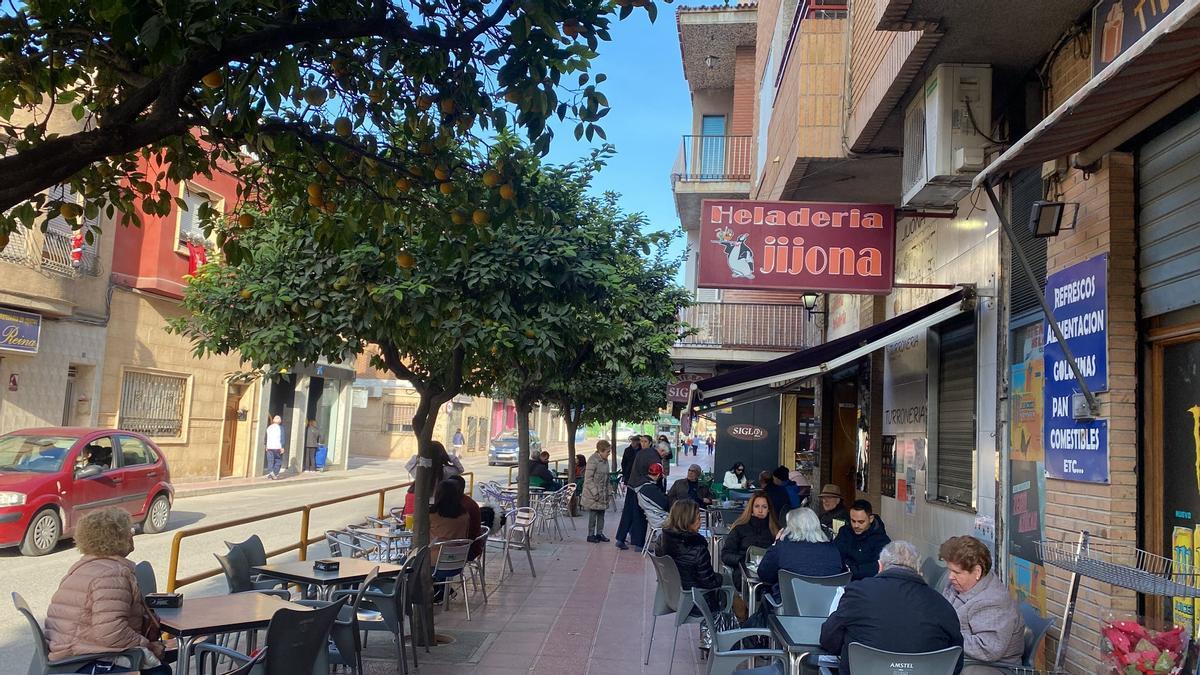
<point x="861" y="541"/>
<point x="633" y="521"/>
<point x="894" y="610"/>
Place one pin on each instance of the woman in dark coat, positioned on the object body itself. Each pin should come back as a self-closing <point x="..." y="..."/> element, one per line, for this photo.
<point x="756" y="527"/>
<point x="682" y="542"/>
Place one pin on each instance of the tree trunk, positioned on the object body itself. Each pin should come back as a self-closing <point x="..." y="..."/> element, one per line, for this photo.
<point x="571" y="427"/>
<point x="612" y="456"/>
<point x="523" y="409"/>
<point x="424" y="421"/>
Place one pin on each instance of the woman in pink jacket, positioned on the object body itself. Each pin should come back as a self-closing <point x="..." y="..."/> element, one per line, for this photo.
<point x="98" y="607"/>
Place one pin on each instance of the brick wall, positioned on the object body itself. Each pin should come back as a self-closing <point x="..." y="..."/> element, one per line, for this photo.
<point x="1106" y="224"/>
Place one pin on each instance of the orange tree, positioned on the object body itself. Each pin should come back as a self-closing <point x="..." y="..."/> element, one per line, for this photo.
<point x="319" y="104"/>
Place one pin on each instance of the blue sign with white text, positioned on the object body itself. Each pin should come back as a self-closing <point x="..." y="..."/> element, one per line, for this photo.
<point x="20" y="331"/>
<point x="1078" y="295"/>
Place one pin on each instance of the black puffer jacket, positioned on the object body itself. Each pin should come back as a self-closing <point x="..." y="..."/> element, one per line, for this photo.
<point x="689" y="550"/>
<point x="757" y="532"/>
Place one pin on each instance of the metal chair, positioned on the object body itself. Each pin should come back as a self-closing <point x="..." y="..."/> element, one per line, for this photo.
<point x="724" y="657"/>
<point x="808" y="596"/>
<point x="295" y="643"/>
<point x="147" y="583"/>
<point x="452" y="561"/>
<point x="237" y="576"/>
<point x="669" y="598"/>
<point x="345" y="632"/>
<point x="866" y="660"/>
<point x="519" y="537"/>
<point x="655" y="517"/>
<point x="41" y="663"/>
<point x="478" y="565"/>
<point x="344" y="543"/>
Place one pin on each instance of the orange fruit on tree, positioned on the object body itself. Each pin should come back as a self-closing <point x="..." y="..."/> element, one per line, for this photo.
<point x="491" y="178"/>
<point x="480" y="217"/>
<point x="447" y="106"/>
<point x="446" y="188"/>
<point x="342" y="127"/>
<point x="315" y="190"/>
<point x="403" y="184"/>
<point x="405" y="260"/>
<point x="324" y="168"/>
<point x="329" y="207"/>
<point x="315" y="200"/>
<point x="424" y="102"/>
<point x="529" y="334"/>
<point x="245" y="294"/>
<point x="571" y="28"/>
<point x="245" y="220"/>
<point x="213" y="80"/>
<point x="441" y="173"/>
<point x="315" y="95"/>
<point x="507" y="191"/>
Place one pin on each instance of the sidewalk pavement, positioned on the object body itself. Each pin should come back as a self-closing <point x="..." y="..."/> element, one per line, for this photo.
<point x="208" y="487"/>
<point x="587" y="611"/>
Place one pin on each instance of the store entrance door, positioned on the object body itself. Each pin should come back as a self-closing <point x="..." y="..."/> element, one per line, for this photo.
<point x="844" y="462"/>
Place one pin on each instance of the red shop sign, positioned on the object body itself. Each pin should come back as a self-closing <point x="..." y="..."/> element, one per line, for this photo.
<point x="788" y="246"/>
<point x="677" y="391"/>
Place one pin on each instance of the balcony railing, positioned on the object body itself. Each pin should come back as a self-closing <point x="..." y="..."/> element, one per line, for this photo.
<point x="56" y="256"/>
<point x="18" y="248"/>
<point x="713" y="158"/>
<point x="731" y="325"/>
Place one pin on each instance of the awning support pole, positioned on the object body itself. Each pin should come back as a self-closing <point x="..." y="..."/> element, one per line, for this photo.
<point x="1093" y="404"/>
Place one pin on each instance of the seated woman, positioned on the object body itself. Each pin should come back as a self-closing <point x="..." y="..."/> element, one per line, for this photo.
<point x="448" y="519"/>
<point x="98" y="607"/>
<point x="992" y="628"/>
<point x="802" y="549"/>
<point x="755" y="527"/>
<point x="682" y="542"/>
<point x="735" y="477"/>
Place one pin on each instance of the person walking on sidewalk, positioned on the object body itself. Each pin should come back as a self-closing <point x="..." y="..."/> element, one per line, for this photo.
<point x="274" y="447"/>
<point x="595" y="492"/>
<point x="312" y="438"/>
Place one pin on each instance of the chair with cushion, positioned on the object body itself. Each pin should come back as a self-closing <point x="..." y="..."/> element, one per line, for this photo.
<point x="724" y="656"/>
<point x="296" y="643"/>
<point x="669" y="598"/>
<point x="41" y="663"/>
<point x="866" y="660"/>
<point x="237" y="575"/>
<point x="808" y="596"/>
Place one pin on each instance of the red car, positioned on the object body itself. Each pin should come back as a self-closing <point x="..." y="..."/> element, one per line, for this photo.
<point x="52" y="477"/>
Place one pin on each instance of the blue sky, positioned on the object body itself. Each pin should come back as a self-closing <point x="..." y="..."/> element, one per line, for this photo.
<point x="651" y="111"/>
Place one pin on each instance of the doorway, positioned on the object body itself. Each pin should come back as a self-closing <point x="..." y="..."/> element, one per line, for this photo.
<point x="68" y="415"/>
<point x="229" y="433"/>
<point x="712" y="148"/>
<point x="844" y="460"/>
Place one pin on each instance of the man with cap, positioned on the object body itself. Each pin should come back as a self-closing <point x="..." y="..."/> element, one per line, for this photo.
<point x="691" y="488"/>
<point x="832" y="507"/>
<point x="652" y="491"/>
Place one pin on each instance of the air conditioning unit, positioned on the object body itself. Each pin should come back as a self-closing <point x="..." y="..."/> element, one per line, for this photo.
<point x="944" y="127"/>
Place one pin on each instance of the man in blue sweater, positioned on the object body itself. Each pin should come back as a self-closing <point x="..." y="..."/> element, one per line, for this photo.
<point x="861" y="541"/>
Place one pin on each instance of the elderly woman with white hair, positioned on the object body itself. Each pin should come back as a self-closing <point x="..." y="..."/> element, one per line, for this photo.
<point x="801" y="548"/>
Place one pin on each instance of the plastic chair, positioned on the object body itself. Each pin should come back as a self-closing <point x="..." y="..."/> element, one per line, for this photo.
<point x="1036" y="627"/>
<point x="237" y="576"/>
<point x="934" y="574"/>
<point x="41" y="663"/>
<point x="452" y="560"/>
<point x="669" y="598"/>
<point x="724" y="657"/>
<point x="345" y="633"/>
<point x="389" y="598"/>
<point x="808" y="596"/>
<point x="655" y="517"/>
<point x="147" y="583"/>
<point x="478" y="565"/>
<point x="866" y="660"/>
<point x="520" y="536"/>
<point x="295" y="643"/>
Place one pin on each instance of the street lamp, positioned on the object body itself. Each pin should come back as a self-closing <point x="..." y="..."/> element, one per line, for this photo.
<point x="809" y="300"/>
<point x="711" y="61"/>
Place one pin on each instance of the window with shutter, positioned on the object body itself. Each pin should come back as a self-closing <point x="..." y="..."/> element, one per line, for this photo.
<point x="191" y="225"/>
<point x="954" y="366"/>
<point x="398" y="417"/>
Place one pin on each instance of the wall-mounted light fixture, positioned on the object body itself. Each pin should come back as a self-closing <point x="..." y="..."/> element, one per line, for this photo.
<point x="1046" y="217"/>
<point x="809" y="300"/>
<point x="711" y="61"/>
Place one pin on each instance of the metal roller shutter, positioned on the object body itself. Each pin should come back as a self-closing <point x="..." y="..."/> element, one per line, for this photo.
<point x="956" y="415"/>
<point x="1027" y="187"/>
<point x="1169" y="219"/>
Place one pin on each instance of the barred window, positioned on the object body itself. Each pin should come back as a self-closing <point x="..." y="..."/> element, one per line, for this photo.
<point x="153" y="404"/>
<point x="398" y="417"/>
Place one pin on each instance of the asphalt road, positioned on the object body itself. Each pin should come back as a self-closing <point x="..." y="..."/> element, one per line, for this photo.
<point x="36" y="579"/>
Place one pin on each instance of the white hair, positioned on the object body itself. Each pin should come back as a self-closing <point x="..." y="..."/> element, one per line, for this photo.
<point x="664" y="446"/>
<point x="803" y="525"/>
<point x="900" y="554"/>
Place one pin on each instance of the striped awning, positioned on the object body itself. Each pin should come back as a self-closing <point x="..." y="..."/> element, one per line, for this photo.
<point x="1165" y="56"/>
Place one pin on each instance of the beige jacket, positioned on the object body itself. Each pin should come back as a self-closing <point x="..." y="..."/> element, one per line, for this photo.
<point x="97" y="608"/>
<point x="595" y="484"/>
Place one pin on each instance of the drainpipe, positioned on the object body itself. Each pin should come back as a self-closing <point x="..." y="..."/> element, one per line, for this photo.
<point x="1136" y="123"/>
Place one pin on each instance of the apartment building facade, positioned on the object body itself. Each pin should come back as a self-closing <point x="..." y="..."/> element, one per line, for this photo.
<point x="957" y="410"/>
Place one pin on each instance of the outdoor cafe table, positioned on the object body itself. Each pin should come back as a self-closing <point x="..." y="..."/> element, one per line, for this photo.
<point x="233" y="613"/>
<point x="798" y="635"/>
<point x="387" y="537"/>
<point x="349" y="571"/>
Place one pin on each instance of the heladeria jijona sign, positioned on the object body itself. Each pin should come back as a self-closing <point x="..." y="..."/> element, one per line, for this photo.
<point x="817" y="246"/>
<point x="19" y="331"/>
<point x="1078" y="297"/>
